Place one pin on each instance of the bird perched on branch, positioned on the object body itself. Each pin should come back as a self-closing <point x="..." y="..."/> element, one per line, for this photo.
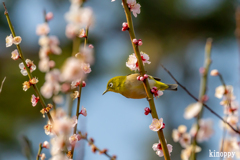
<point x="131" y="86"/>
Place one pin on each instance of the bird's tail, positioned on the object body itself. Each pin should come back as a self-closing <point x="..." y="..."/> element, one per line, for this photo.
<point x="172" y="87"/>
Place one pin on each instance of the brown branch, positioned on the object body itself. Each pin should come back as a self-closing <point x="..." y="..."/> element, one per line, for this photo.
<point x="206" y="106"/>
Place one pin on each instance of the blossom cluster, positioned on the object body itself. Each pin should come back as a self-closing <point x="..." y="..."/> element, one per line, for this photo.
<point x="133" y="6"/>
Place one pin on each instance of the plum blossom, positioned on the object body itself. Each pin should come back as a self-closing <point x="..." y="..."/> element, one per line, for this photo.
<point x="192" y="110"/>
<point x="17" y="40"/>
<point x="42" y="156"/>
<point x="185" y="154"/>
<point x="220" y="91"/>
<point x="205" y="131"/>
<point x="15" y="54"/>
<point x="158" y="148"/>
<point x="45" y="144"/>
<point x="33" y="81"/>
<point x="74" y="138"/>
<point x="26" y="85"/>
<point x="185" y="140"/>
<point x="72" y="70"/>
<point x="214" y="72"/>
<point x="177" y="133"/>
<point x="75" y="95"/>
<point x="48" y="129"/>
<point x="34" y="100"/>
<point x="75" y="83"/>
<point x="86" y="68"/>
<point x="132" y="62"/>
<point x="157" y="124"/>
<point x="9" y="41"/>
<point x="134" y="7"/>
<point x="30" y="65"/>
<point x="83" y="111"/>
<point x="154" y="90"/>
<point x="42" y="29"/>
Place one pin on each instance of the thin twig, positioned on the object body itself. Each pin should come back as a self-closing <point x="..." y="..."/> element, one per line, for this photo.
<point x="39" y="151"/>
<point x="206" y="106"/>
<point x="145" y="82"/>
<point x="2" y="84"/>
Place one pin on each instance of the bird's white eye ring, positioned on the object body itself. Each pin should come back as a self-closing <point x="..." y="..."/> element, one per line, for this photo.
<point x="110" y="84"/>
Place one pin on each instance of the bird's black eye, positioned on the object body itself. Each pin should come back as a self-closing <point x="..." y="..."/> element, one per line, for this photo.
<point x="110" y="84"/>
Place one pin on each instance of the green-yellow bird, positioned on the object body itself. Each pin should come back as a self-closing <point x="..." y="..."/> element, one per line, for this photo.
<point x="130" y="87"/>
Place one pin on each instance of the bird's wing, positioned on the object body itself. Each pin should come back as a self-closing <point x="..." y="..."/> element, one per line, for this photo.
<point x="157" y="79"/>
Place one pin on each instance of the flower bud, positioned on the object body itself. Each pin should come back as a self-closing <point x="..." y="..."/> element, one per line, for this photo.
<point x="141" y="78"/>
<point x="214" y="72"/>
<point x="138" y="78"/>
<point x="135" y="41"/>
<point x="145" y="76"/>
<point x="45" y="145"/>
<point x="49" y="16"/>
<point x="140" y="42"/>
<point x="147" y="111"/>
<point x="83" y="83"/>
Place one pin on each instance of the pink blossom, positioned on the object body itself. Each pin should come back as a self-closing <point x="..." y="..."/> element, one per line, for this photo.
<point x="34" y="100"/>
<point x="83" y="111"/>
<point x="15" y="54"/>
<point x="132" y="62"/>
<point x="86" y="68"/>
<point x="30" y="65"/>
<point x="158" y="148"/>
<point x="75" y="83"/>
<point x="91" y="46"/>
<point x="74" y="138"/>
<point x="42" y="29"/>
<point x="156" y="92"/>
<point x="71" y="31"/>
<point x="147" y="111"/>
<point x="49" y="16"/>
<point x="45" y="144"/>
<point x="157" y="124"/>
<point x="134" y="7"/>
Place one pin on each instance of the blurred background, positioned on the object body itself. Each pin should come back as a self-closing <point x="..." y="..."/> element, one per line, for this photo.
<point x="174" y="33"/>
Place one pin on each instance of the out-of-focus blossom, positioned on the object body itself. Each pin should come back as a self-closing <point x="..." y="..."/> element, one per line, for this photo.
<point x="185" y="154"/>
<point x="74" y="121"/>
<point x="58" y="99"/>
<point x="9" y="41"/>
<point x="134" y="7"/>
<point x="82" y="33"/>
<point x="132" y="62"/>
<point x="42" y="29"/>
<point x="49" y="16"/>
<point x="205" y="131"/>
<point x="62" y="125"/>
<point x="45" y="144"/>
<point x="192" y="110"/>
<point x="214" y="72"/>
<point x="42" y="156"/>
<point x="85" y="54"/>
<point x="220" y="91"/>
<point x="86" y="68"/>
<point x="43" y="64"/>
<point x="15" y="54"/>
<point x="177" y="133"/>
<point x="49" y="89"/>
<point x="71" y="31"/>
<point x="157" y="124"/>
<point x="58" y="144"/>
<point x="30" y="65"/>
<point x="34" y="100"/>
<point x="185" y="140"/>
<point x="83" y="111"/>
<point x="75" y="95"/>
<point x="72" y="70"/>
<point x="90" y="46"/>
<point x="158" y="148"/>
<point x="74" y="138"/>
<point x="17" y="40"/>
<point x="75" y="83"/>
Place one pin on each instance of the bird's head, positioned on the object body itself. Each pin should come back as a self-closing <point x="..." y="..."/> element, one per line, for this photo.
<point x="113" y="84"/>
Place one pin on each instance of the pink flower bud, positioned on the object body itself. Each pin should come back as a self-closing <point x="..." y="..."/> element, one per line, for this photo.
<point x="145" y="76"/>
<point x="45" y="144"/>
<point x="147" y="111"/>
<point x="124" y="26"/>
<point x="204" y="98"/>
<point x="202" y="70"/>
<point x="135" y="41"/>
<point x="91" y="46"/>
<point x="141" y="78"/>
<point x="138" y="78"/>
<point x="83" y="83"/>
<point x="49" y="16"/>
<point x="140" y="42"/>
<point x="79" y="137"/>
<point x="153" y="90"/>
<point x="163" y="126"/>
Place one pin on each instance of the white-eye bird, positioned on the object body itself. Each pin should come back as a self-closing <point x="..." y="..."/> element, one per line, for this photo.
<point x="130" y="87"/>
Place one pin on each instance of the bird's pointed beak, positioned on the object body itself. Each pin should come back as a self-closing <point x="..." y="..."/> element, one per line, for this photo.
<point x="105" y="91"/>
